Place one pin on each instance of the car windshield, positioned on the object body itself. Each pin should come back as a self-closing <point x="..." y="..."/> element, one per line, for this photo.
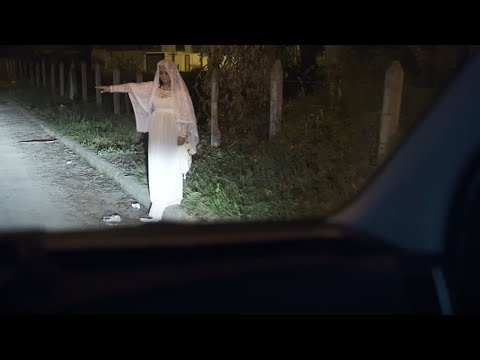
<point x="95" y="137"/>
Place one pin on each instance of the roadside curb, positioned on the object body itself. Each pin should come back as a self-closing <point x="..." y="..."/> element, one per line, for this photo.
<point x="128" y="182"/>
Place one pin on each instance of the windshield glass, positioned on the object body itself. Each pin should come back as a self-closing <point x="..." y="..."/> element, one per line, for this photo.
<point x="98" y="136"/>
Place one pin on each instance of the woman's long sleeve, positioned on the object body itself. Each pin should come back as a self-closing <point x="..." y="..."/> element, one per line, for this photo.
<point x="120" y="88"/>
<point x="129" y="87"/>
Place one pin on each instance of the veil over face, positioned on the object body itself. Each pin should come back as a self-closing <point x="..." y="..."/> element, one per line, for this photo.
<point x="142" y="94"/>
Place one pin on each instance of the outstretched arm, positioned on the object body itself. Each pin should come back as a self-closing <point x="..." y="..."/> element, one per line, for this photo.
<point x="122" y="88"/>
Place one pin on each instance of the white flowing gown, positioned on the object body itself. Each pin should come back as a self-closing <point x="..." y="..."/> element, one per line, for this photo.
<point x="165" y="177"/>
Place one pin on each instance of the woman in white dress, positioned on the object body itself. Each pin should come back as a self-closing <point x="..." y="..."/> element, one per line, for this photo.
<point x="164" y="109"/>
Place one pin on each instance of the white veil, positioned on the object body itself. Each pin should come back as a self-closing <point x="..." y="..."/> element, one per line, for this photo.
<point x="141" y="95"/>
